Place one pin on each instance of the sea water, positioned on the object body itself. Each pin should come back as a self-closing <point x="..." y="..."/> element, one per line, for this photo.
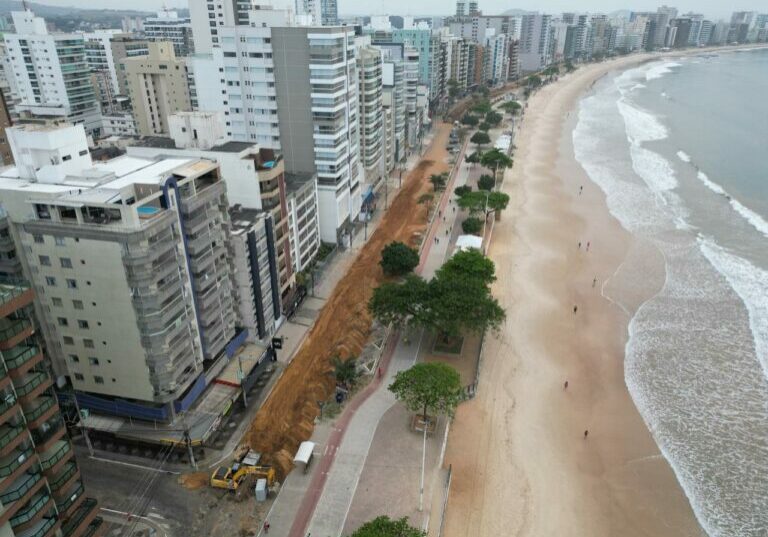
<point x="680" y="149"/>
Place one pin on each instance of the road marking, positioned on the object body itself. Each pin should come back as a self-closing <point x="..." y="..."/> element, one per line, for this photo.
<point x="132" y="465"/>
<point x="156" y="515"/>
<point x="149" y="521"/>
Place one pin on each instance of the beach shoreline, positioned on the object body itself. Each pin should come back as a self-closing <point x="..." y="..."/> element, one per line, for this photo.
<point x="521" y="463"/>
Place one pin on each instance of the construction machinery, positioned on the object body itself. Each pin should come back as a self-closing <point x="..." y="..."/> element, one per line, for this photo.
<point x="231" y="477"/>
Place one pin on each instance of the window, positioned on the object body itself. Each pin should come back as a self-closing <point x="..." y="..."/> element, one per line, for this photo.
<point x="98" y="380"/>
<point x="62" y="321"/>
<point x="72" y="284"/>
<point x="44" y="260"/>
<point x="57" y="302"/>
<point x="79" y="376"/>
<point x="65" y="262"/>
<point x="74" y="358"/>
<point x="68" y="340"/>
<point x="88" y="343"/>
<point x="38" y="239"/>
<point x="77" y="304"/>
<point x="59" y="241"/>
<point x="82" y="324"/>
<point x="66" y="157"/>
<point x="93" y="360"/>
<point x="83" y="152"/>
<point x="50" y="280"/>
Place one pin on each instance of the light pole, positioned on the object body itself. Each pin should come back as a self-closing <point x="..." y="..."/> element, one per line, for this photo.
<point x="423" y="463"/>
<point x="241" y="377"/>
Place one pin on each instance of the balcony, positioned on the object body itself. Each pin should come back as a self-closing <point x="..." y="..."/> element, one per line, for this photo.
<point x="13" y="332"/>
<point x="83" y="518"/>
<point x="18" y="493"/>
<point x="74" y="497"/>
<point x="52" y="459"/>
<point x="16" y="462"/>
<point x="64" y="479"/>
<point x="48" y="433"/>
<point x="95" y="528"/>
<point x="14" y="294"/>
<point x="10" y="437"/>
<point x="21" y="358"/>
<point x="31" y="385"/>
<point x="45" y="527"/>
<point x="31" y="512"/>
<point x="40" y="409"/>
<point x="8" y="408"/>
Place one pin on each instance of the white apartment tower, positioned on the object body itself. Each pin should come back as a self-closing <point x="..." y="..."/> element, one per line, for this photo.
<point x="210" y="16"/>
<point x="535" y="42"/>
<point x="371" y="113"/>
<point x="50" y="72"/>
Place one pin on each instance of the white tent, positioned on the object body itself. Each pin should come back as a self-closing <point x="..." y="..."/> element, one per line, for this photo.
<point x="465" y="242"/>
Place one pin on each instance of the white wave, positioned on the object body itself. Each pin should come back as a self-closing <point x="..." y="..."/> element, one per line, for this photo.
<point x="664" y="94"/>
<point x="682" y="155"/>
<point x="637" y="87"/>
<point x="751" y="284"/>
<point x="754" y="219"/>
<point x="641" y="126"/>
<point x="658" y="71"/>
<point x="654" y="169"/>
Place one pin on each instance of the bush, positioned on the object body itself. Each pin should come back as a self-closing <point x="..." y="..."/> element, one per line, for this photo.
<point x="480" y="138"/>
<point x="462" y="190"/>
<point x="486" y="182"/>
<point x="470" y="120"/>
<point x="485" y="126"/>
<point x="472" y="225"/>
<point x="398" y="259"/>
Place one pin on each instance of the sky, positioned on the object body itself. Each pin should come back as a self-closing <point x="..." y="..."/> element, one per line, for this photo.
<point x="714" y="9"/>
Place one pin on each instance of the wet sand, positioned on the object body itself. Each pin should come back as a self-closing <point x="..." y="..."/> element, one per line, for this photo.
<point x="521" y="464"/>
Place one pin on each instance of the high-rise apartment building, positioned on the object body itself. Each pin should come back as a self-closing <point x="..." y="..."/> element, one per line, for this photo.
<point x="50" y="72"/>
<point x="157" y="86"/>
<point x="6" y="156"/>
<point x="129" y="259"/>
<point x="105" y="50"/>
<point x="41" y="492"/>
<point x="168" y="26"/>
<point x="427" y="45"/>
<point x="393" y="102"/>
<point x="495" y="62"/>
<point x="369" y="68"/>
<point x="535" y="42"/>
<point x="318" y="12"/>
<point x="209" y="16"/>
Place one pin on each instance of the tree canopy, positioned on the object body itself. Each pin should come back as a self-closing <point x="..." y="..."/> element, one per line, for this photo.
<point x="485" y="126"/>
<point x="493" y="118"/>
<point x="438" y="180"/>
<point x="453" y="88"/>
<point x="461" y="190"/>
<point x="470" y="120"/>
<point x="534" y="81"/>
<point x="428" y="387"/>
<point x="483" y="106"/>
<point x="480" y="138"/>
<point x="384" y="526"/>
<point x="481" y="202"/>
<point x="495" y="159"/>
<point x="398" y="259"/>
<point x="345" y="371"/>
<point x="486" y="182"/>
<point x="511" y="106"/>
<point x="473" y="158"/>
<point x="455" y="300"/>
<point x="472" y="225"/>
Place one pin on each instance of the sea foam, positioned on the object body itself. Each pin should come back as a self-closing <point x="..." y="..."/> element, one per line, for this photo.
<point x="682" y="155"/>
<point x="658" y="71"/>
<point x="754" y="219"/>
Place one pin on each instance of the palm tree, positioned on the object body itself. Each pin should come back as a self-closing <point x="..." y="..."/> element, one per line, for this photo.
<point x="495" y="159"/>
<point x="345" y="371"/>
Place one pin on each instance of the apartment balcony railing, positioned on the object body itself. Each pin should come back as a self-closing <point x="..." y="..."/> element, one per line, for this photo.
<point x="9" y="433"/>
<point x="43" y="528"/>
<point x="11" y="288"/>
<point x="29" y="511"/>
<point x="13" y="461"/>
<point x="54" y="454"/>
<point x="16" y="490"/>
<point x="38" y="408"/>
<point x="30" y="382"/>
<point x="20" y="355"/>
<point x="70" y="470"/>
<point x="10" y="328"/>
<point x="71" y="498"/>
<point x="85" y="515"/>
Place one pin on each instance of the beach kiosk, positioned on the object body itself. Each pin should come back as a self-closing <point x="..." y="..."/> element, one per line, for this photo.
<point x="303" y="456"/>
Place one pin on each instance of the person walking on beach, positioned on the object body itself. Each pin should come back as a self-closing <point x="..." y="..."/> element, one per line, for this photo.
<point x="586" y="434"/>
<point x="594" y="282"/>
<point x="565" y="386"/>
<point x="266" y="527"/>
<point x="587" y="246"/>
<point x="575" y="309"/>
<point x="579" y="245"/>
<point x="580" y="189"/>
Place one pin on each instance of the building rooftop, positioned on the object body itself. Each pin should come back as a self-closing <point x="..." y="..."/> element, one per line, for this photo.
<point x="232" y="147"/>
<point x="296" y="181"/>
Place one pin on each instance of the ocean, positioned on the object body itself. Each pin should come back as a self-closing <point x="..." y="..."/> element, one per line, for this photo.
<point x="680" y="149"/>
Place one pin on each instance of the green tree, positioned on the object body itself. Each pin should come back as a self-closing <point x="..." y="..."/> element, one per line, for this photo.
<point x="462" y="190"/>
<point x="472" y="225"/>
<point x="511" y="107"/>
<point x="533" y="81"/>
<point x="470" y="265"/>
<point x="486" y="182"/>
<point x="485" y="203"/>
<point x="482" y="107"/>
<point x="496" y="159"/>
<point x="425" y="198"/>
<point x="493" y="118"/>
<point x="470" y="120"/>
<point x="438" y="180"/>
<point x="400" y="303"/>
<point x="485" y="126"/>
<point x="569" y="66"/>
<point x="384" y="526"/>
<point x="453" y="88"/>
<point x="473" y="158"/>
<point x="428" y="387"/>
<point x="398" y="259"/>
<point x="345" y="371"/>
<point x="480" y="138"/>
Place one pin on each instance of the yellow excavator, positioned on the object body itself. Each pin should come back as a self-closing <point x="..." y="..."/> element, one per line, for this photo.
<point x="230" y="477"/>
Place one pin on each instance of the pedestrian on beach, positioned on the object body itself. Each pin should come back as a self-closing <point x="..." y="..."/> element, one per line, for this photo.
<point x="575" y="309"/>
<point x="580" y="189"/>
<point x="579" y="245"/>
<point x="594" y="282"/>
<point x="565" y="386"/>
<point x="446" y="232"/>
<point x="266" y="527"/>
<point x="439" y="213"/>
<point x="586" y="434"/>
<point x="588" y="246"/>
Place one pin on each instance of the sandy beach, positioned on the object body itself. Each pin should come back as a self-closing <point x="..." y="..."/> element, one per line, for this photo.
<point x="521" y="464"/>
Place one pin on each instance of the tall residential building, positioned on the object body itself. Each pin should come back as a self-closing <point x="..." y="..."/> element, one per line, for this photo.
<point x="535" y="42"/>
<point x="428" y="46"/>
<point x="6" y="156"/>
<point x="318" y="12"/>
<point x="369" y="68"/>
<point x="208" y="16"/>
<point x="41" y="492"/>
<point x="393" y="102"/>
<point x="169" y="26"/>
<point x="129" y="259"/>
<point x="50" y="72"/>
<point x="664" y="16"/>
<point x="475" y="27"/>
<point x="681" y="28"/>
<point x="157" y="86"/>
<point x="462" y="9"/>
<point x="495" y="62"/>
<point x="255" y="179"/>
<point x="105" y="51"/>
<point x="294" y="90"/>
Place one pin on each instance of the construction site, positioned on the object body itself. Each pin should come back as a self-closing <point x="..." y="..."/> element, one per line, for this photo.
<point x="344" y="325"/>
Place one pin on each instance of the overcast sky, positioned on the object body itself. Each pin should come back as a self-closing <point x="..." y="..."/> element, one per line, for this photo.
<point x="712" y="8"/>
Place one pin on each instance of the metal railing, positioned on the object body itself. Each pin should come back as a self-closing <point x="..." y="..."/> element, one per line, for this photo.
<point x="10" y="288"/>
<point x="76" y="519"/>
<point x="65" y="476"/>
<point x="57" y="455"/>
<point x="14" y="329"/>
<point x="33" y="508"/>
<point x="33" y="381"/>
<point x="27" y="484"/>
<point x="72" y="498"/>
<point x="39" y="410"/>
<point x="10" y="467"/>
<point x="19" y="355"/>
<point x="8" y="433"/>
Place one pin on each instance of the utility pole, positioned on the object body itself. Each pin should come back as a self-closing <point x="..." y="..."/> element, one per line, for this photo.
<point x="241" y="377"/>
<point x="82" y="425"/>
<point x="188" y="442"/>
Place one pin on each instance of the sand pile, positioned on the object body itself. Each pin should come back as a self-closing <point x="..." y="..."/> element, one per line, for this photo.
<point x="344" y="324"/>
